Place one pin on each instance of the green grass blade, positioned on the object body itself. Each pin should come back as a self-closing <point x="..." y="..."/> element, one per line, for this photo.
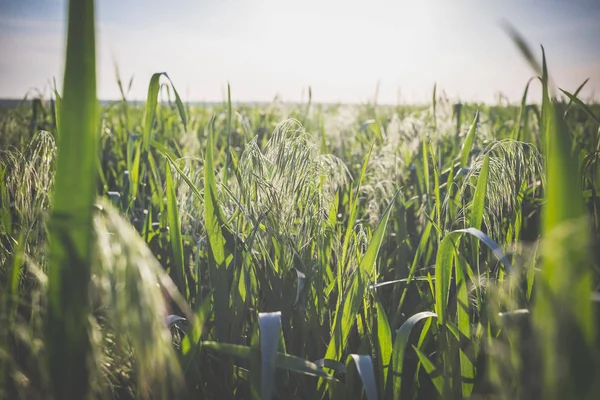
<point x="575" y="94"/>
<point x="523" y="47"/>
<point x="152" y="101"/>
<point x="234" y="350"/>
<point x="468" y="143"/>
<point x="178" y="267"/>
<point x="368" y="262"/>
<point x="443" y="275"/>
<point x="444" y="265"/>
<point x="192" y="340"/>
<point x="352" y="300"/>
<point x="384" y="343"/>
<point x="216" y="241"/>
<point x="350" y="226"/>
<point x="434" y="374"/>
<point x="516" y="135"/>
<point x="480" y="194"/>
<point x="464" y="326"/>
<point x="426" y="165"/>
<point x="58" y="111"/>
<point x="345" y="315"/>
<point x="399" y="351"/>
<point x="70" y="226"/>
<point x="581" y="104"/>
<point x="567" y="278"/>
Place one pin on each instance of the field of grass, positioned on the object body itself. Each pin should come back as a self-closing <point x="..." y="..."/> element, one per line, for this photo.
<point x="165" y="250"/>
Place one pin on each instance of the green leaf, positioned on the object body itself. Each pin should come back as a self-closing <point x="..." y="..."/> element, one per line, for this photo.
<point x="434" y="374"/>
<point x="468" y="143"/>
<point x="367" y="264"/>
<point x="444" y="265"/>
<point x="178" y="267"/>
<point x="581" y="104"/>
<point x="70" y="226"/>
<point x="480" y="194"/>
<point x="350" y="227"/>
<point x="151" y="102"/>
<point x="464" y="325"/>
<point x="384" y="343"/>
<point x="216" y="241"/>
<point x="234" y="350"/>
<point x="352" y="300"/>
<point x="399" y="351"/>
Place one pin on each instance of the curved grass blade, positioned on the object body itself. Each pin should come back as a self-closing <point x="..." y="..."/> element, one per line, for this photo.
<point x="585" y="107"/>
<point x="151" y="102"/>
<point x="444" y="265"/>
<point x="399" y="351"/>
<point x="575" y="94"/>
<point x="364" y="366"/>
<point x="491" y="244"/>
<point x="270" y="333"/>
<point x="406" y="280"/>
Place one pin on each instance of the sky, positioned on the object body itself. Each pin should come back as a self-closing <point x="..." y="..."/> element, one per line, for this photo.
<point x="344" y="50"/>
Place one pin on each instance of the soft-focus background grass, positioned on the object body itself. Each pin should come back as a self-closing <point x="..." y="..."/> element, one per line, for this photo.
<point x="168" y="250"/>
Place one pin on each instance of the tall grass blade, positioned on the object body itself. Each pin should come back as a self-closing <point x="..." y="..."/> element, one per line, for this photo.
<point x="216" y="241"/>
<point x="468" y="143"/>
<point x="467" y="368"/>
<point x="70" y="225"/>
<point x="178" y="267"/>
<point x="383" y="343"/>
<point x="350" y="305"/>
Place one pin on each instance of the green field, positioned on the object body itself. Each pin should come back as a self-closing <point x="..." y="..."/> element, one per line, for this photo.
<point x="171" y="250"/>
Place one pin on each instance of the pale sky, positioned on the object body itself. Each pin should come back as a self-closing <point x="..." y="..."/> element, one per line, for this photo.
<point x="340" y="48"/>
